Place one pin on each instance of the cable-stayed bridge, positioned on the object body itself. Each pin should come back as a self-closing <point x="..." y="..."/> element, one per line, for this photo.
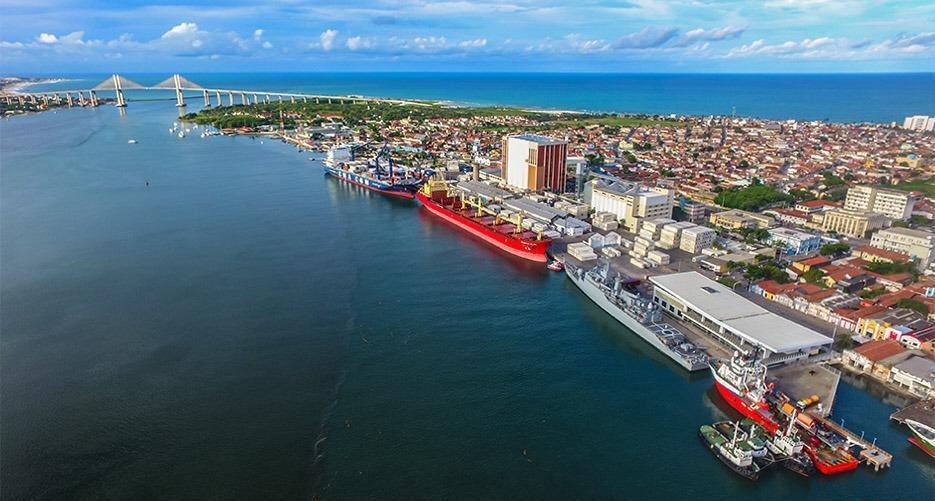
<point x="178" y="84"/>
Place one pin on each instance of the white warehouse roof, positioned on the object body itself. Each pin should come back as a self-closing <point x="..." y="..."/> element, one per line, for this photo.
<point x="741" y="316"/>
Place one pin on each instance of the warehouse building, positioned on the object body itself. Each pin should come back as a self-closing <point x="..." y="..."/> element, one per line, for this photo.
<point x="732" y="320"/>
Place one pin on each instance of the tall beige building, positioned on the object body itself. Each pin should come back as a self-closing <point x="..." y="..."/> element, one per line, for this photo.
<point x="891" y="203"/>
<point x="916" y="244"/>
<point x="631" y="202"/>
<point x="851" y="223"/>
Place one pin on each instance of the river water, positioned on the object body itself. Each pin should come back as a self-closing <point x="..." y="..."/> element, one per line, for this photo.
<point x="245" y="328"/>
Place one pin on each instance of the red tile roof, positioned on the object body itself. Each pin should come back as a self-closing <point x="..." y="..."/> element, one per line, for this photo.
<point x="878" y="350"/>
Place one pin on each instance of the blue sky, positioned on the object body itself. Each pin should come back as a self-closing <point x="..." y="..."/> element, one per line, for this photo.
<point x="56" y="36"/>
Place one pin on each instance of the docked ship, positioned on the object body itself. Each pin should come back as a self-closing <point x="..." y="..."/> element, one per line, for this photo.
<point x="380" y="176"/>
<point x="621" y="298"/>
<point x="737" y="452"/>
<point x="469" y="213"/>
<point x="924" y="436"/>
<point x="742" y="383"/>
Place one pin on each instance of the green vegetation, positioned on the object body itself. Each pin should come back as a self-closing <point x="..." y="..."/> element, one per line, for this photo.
<point x="814" y="276"/>
<point x="802" y="195"/>
<point x="843" y="341"/>
<point x="892" y="268"/>
<point x="353" y="114"/>
<point x="926" y="186"/>
<point x="757" y="272"/>
<point x="728" y="281"/>
<point x="912" y="304"/>
<point x="752" y="198"/>
<point x="752" y="235"/>
<point x="838" y="249"/>
<point x="872" y="293"/>
<point x="831" y="179"/>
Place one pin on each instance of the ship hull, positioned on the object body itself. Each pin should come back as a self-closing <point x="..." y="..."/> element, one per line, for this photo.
<point x="740" y="404"/>
<point x="829" y="468"/>
<point x="598" y="297"/>
<point x="531" y="250"/>
<point x="747" y="472"/>
<point x="920" y="440"/>
<point x="370" y="184"/>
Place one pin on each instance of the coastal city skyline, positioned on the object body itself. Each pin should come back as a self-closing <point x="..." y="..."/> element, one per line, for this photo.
<point x="554" y="36"/>
<point x="413" y="249"/>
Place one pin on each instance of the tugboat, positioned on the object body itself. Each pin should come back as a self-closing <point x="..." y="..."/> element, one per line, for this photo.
<point x="790" y="450"/>
<point x="738" y="458"/>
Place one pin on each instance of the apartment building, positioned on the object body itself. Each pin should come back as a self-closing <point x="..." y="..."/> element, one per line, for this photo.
<point x="736" y="219"/>
<point x="891" y="203"/>
<point x="697" y="238"/>
<point x="794" y="241"/>
<point x="916" y="244"/>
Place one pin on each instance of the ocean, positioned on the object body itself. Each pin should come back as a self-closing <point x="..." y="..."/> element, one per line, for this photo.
<point x="870" y="97"/>
<point x="215" y="319"/>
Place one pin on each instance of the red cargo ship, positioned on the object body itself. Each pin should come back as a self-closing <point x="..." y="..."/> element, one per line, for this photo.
<point x="742" y="383"/>
<point x="471" y="216"/>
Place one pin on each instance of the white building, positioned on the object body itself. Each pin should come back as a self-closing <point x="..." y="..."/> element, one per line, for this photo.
<point x="671" y="234"/>
<point x="916" y="375"/>
<point x="919" y="123"/>
<point x="891" y="203"/>
<point x="733" y="320"/>
<point x="916" y="244"/>
<point x="695" y="239"/>
<point x="794" y="241"/>
<point x="631" y="202"/>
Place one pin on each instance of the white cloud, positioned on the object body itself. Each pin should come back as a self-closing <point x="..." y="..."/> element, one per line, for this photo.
<point x="47" y="38"/>
<point x="477" y="43"/>
<point x="267" y="45"/>
<point x="359" y="43"/>
<point x="181" y="29"/>
<point x="258" y="34"/>
<point x="326" y="39"/>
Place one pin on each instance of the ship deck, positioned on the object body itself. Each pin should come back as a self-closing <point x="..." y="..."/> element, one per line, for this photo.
<point x="505" y="229"/>
<point x="922" y="412"/>
<point x="800" y="381"/>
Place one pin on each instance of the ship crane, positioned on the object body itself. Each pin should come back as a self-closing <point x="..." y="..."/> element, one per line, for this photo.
<point x="516" y="220"/>
<point x="385" y="154"/>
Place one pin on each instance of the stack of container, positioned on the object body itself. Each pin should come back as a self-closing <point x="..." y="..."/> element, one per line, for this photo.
<point x="596" y="241"/>
<point x="606" y="221"/>
<point x="671" y="234"/>
<point x="653" y="226"/>
<point x="572" y="227"/>
<point x="581" y="251"/>
<point x="576" y="210"/>
<point x="611" y="251"/>
<point x="612" y="238"/>
<point x="657" y="257"/>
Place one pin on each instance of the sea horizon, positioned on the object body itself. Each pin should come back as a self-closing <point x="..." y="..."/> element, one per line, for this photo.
<point x="836" y="97"/>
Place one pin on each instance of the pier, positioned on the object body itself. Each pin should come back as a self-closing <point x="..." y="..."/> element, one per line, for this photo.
<point x="180" y="85"/>
<point x="870" y="453"/>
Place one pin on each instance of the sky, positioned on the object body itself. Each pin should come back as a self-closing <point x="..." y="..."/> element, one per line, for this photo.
<point x="73" y="36"/>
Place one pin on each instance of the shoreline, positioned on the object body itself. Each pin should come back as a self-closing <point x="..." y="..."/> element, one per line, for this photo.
<point x="16" y="85"/>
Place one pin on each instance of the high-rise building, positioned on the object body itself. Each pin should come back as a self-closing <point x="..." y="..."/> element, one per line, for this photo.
<point x="532" y="162"/>
<point x="920" y="123"/>
<point x="891" y="203"/>
<point x="631" y="202"/>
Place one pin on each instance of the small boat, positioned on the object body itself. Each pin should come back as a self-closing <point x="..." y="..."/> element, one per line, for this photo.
<point x="556" y="266"/>
<point x="132" y="141"/>
<point x="728" y="450"/>
<point x="181" y="134"/>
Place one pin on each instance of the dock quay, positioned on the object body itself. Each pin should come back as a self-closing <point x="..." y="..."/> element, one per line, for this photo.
<point x="800" y="381"/>
<point x="923" y="412"/>
<point x="870" y="453"/>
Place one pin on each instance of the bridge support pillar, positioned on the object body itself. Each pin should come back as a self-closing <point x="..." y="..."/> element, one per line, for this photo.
<point x="207" y="99"/>
<point x="21" y="101"/>
<point x="304" y="99"/>
<point x="292" y="99"/>
<point x="218" y="94"/>
<point x="230" y="98"/>
<point x="118" y="90"/>
<point x="70" y="102"/>
<point x="280" y="99"/>
<point x="267" y="99"/>
<point x="243" y="99"/>
<point x="179" y="97"/>
<point x="94" y="101"/>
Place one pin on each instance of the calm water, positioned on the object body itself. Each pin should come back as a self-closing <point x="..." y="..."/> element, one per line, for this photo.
<point x="245" y="328"/>
<point x="837" y="97"/>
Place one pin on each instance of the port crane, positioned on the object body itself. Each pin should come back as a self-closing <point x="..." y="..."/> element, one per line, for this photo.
<point x="476" y="202"/>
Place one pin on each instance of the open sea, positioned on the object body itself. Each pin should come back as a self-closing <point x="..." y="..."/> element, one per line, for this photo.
<point x="866" y="97"/>
<point x="245" y="328"/>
